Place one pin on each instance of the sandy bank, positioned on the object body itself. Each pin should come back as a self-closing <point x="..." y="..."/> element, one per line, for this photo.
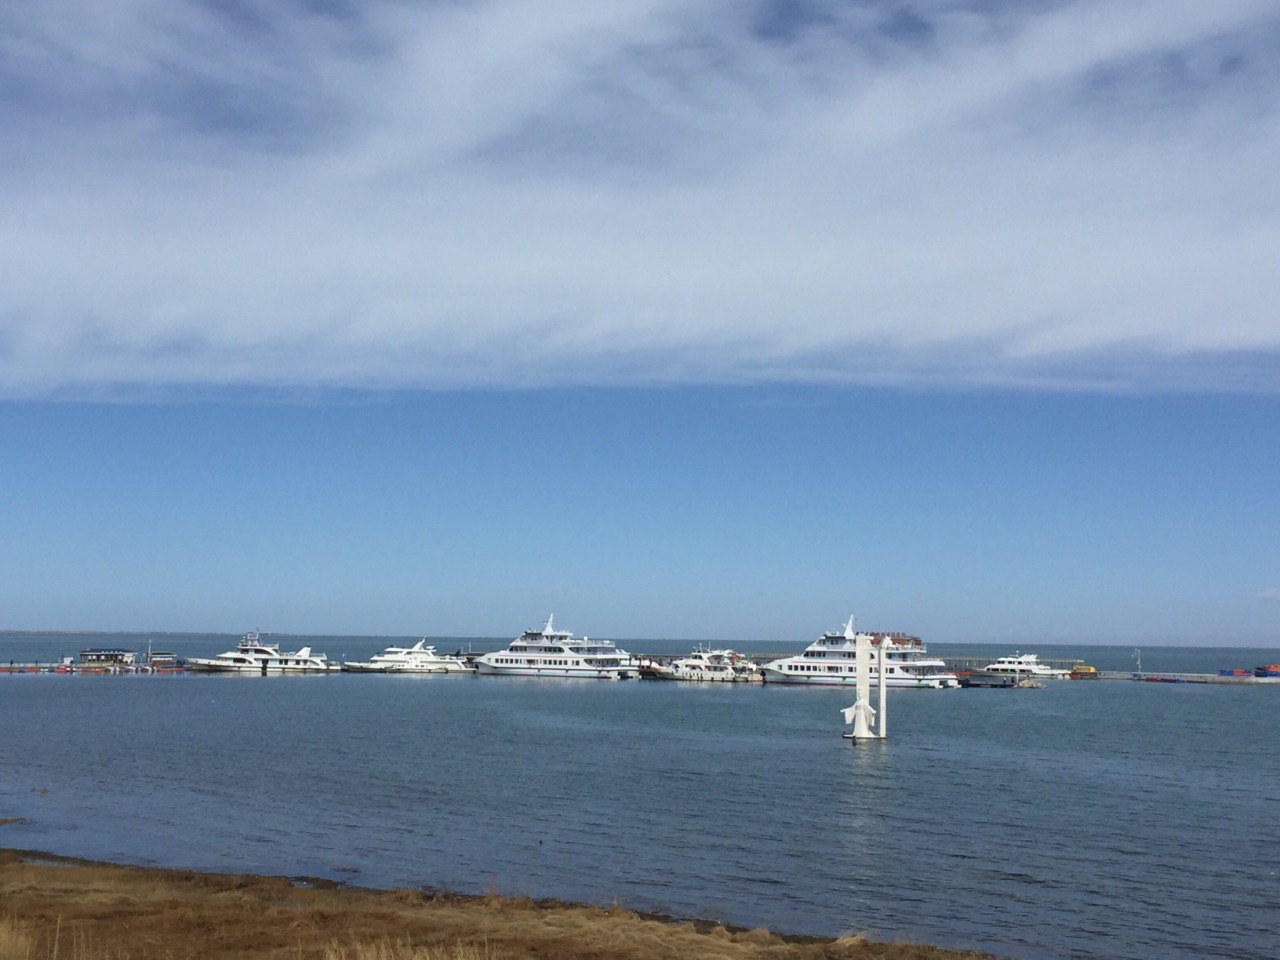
<point x="59" y="907"/>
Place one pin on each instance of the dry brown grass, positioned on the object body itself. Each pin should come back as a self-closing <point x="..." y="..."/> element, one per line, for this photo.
<point x="55" y="909"/>
<point x="16" y="939"/>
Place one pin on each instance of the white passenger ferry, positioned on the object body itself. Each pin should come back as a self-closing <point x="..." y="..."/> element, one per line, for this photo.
<point x="253" y="655"/>
<point x="831" y="660"/>
<point x="420" y="658"/>
<point x="555" y="653"/>
<point x="1023" y="666"/>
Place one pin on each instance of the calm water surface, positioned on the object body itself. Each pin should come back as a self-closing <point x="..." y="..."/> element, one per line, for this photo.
<point x="1098" y="820"/>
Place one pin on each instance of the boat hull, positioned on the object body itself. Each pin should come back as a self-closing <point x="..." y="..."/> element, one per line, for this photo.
<point x="659" y="672"/>
<point x="438" y="668"/>
<point x="263" y="669"/>
<point x="1045" y="674"/>
<point x="942" y="682"/>
<point x="559" y="673"/>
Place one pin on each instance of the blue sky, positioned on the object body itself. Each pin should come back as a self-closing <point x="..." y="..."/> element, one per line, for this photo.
<point x="762" y="513"/>
<point x="679" y="319"/>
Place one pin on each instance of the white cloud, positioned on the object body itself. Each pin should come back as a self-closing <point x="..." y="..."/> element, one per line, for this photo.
<point x="498" y="192"/>
<point x="1269" y="594"/>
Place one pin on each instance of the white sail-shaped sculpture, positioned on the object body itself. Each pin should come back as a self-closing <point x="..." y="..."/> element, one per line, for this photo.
<point x="862" y="715"/>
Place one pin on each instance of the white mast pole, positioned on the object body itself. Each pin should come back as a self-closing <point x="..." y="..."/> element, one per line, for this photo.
<point x="861" y="726"/>
<point x="882" y="720"/>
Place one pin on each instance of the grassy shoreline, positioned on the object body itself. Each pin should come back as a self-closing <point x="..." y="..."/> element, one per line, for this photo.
<point x="64" y="907"/>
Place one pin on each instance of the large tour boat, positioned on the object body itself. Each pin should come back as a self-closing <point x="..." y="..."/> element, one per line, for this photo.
<point x="832" y="660"/>
<point x="555" y="653"/>
<point x="420" y="658"/>
<point x="253" y="655"/>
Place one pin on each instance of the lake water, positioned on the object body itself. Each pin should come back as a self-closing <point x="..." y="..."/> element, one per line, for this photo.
<point x="1104" y="819"/>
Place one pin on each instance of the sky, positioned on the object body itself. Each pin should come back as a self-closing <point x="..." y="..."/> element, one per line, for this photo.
<point x="697" y="319"/>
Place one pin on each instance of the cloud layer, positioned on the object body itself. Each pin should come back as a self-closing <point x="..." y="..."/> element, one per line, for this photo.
<point x="1079" y="193"/>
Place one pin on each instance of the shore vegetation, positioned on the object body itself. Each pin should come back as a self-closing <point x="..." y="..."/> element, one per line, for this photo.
<point x="57" y="908"/>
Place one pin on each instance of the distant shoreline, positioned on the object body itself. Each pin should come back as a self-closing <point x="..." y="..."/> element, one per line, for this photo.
<point x="1024" y="643"/>
<point x="121" y="633"/>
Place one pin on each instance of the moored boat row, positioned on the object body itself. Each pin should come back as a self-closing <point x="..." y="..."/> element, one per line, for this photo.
<point x="551" y="652"/>
<point x="830" y="660"/>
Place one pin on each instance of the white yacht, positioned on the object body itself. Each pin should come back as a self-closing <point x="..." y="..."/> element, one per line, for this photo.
<point x="252" y="655"/>
<point x="707" y="666"/>
<point x="1023" y="666"/>
<point x="420" y="658"/>
<point x="555" y="653"/>
<point x="831" y="660"/>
